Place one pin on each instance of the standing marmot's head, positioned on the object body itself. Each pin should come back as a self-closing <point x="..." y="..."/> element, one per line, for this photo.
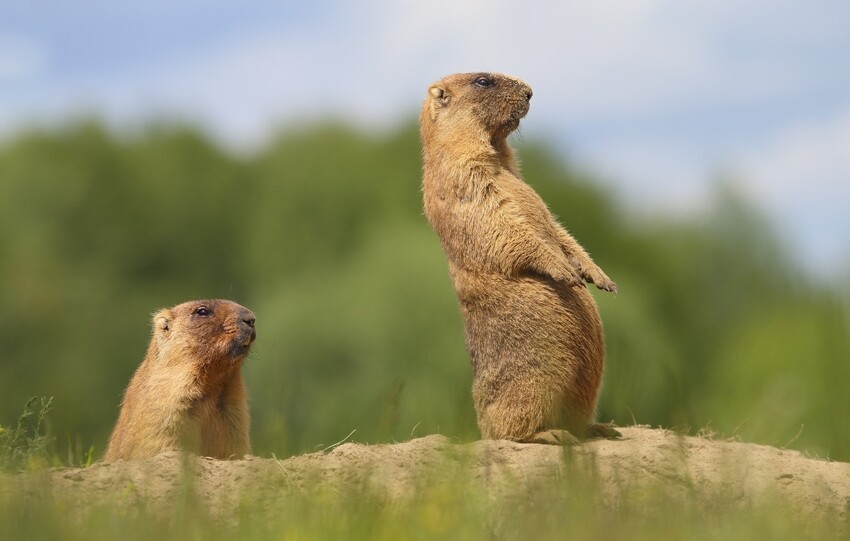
<point x="491" y="104"/>
<point x="212" y="333"/>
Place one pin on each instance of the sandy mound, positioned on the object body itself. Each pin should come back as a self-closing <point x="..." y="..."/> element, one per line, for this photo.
<point x="646" y="460"/>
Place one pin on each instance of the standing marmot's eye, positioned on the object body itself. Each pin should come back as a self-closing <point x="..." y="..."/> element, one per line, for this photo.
<point x="203" y="311"/>
<point x="484" y="82"/>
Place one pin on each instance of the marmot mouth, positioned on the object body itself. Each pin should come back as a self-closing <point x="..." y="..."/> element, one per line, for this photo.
<point x="239" y="350"/>
<point x="241" y="343"/>
<point x="513" y="120"/>
<point x="511" y="124"/>
<point x="519" y="114"/>
<point x="248" y="338"/>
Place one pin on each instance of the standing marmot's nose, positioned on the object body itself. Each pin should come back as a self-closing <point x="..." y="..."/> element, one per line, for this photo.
<point x="528" y="94"/>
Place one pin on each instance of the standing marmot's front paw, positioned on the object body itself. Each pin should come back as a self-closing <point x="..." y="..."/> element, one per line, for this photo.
<point x="607" y="285"/>
<point x="569" y="276"/>
<point x="598" y="278"/>
<point x="574" y="280"/>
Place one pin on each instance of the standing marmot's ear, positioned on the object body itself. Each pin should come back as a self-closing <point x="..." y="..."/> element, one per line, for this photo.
<point x="440" y="98"/>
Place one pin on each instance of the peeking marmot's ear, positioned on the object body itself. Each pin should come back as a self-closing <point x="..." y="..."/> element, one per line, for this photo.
<point x="161" y="321"/>
<point x="440" y="98"/>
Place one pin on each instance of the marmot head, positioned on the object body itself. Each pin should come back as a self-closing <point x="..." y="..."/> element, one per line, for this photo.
<point x="209" y="332"/>
<point x="490" y="105"/>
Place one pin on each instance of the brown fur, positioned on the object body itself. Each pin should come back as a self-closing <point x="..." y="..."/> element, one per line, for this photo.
<point x="188" y="392"/>
<point x="532" y="329"/>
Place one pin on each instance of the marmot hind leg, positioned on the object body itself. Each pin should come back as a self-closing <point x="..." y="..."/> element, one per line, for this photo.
<point x="555" y="436"/>
<point x="559" y="436"/>
<point x="602" y="430"/>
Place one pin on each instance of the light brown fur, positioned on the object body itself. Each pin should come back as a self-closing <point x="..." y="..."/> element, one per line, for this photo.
<point x="188" y="392"/>
<point x="533" y="331"/>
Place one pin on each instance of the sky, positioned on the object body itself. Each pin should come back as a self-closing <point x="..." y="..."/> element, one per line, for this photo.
<point x="658" y="98"/>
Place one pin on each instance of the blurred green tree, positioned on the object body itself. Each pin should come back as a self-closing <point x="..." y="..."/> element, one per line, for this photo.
<point x="321" y="233"/>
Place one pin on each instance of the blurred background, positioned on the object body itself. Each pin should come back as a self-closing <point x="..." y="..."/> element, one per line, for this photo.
<point x="267" y="152"/>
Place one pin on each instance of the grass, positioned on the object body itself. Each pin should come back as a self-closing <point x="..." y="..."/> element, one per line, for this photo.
<point x="446" y="503"/>
<point x="438" y="510"/>
<point x="24" y="446"/>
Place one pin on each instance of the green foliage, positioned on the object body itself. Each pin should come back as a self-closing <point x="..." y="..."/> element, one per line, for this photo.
<point x="24" y="446"/>
<point x="321" y="234"/>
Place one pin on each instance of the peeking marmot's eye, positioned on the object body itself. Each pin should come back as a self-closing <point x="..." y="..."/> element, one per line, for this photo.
<point x="484" y="82"/>
<point x="203" y="311"/>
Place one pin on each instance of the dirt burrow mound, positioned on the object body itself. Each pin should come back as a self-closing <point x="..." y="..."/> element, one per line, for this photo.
<point x="645" y="461"/>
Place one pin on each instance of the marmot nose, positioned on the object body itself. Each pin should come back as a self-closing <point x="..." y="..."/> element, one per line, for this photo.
<point x="528" y="94"/>
<point x="249" y="318"/>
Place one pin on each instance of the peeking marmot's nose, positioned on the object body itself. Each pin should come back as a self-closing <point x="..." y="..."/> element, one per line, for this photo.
<point x="249" y="318"/>
<point x="528" y="94"/>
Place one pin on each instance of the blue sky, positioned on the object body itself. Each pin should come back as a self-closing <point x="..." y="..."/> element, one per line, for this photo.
<point x="657" y="97"/>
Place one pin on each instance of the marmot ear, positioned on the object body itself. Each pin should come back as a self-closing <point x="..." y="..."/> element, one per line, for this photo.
<point x="440" y="98"/>
<point x="161" y="321"/>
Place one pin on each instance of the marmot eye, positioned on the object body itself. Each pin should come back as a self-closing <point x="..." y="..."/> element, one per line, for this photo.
<point x="484" y="82"/>
<point x="203" y="311"/>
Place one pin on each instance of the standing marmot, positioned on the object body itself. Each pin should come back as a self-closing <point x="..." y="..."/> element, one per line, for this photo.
<point x="532" y="329"/>
<point x="188" y="392"/>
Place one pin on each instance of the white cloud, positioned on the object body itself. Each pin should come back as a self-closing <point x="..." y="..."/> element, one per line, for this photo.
<point x="587" y="60"/>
